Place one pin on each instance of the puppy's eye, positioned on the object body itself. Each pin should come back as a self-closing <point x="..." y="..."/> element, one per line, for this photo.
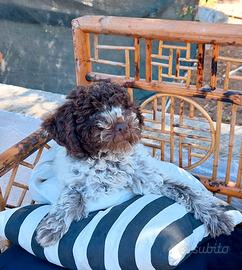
<point x="92" y="118"/>
<point x="100" y="128"/>
<point x="99" y="125"/>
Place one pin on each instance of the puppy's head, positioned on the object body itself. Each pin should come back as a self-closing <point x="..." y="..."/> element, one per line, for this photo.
<point x="96" y="120"/>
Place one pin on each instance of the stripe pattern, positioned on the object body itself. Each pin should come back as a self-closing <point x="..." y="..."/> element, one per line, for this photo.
<point x="145" y="232"/>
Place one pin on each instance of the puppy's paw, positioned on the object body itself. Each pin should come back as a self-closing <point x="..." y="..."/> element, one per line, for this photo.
<point x="219" y="224"/>
<point x="50" y="230"/>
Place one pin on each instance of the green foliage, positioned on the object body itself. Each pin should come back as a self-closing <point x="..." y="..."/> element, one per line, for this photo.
<point x="186" y="9"/>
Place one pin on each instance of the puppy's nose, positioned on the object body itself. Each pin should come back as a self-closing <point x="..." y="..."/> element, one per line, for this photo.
<point x="121" y="127"/>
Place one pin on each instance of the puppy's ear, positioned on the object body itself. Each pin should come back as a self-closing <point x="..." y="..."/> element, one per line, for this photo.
<point x="55" y="124"/>
<point x="49" y="125"/>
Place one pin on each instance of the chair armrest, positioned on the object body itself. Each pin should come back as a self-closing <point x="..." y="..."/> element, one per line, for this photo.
<point x="21" y="150"/>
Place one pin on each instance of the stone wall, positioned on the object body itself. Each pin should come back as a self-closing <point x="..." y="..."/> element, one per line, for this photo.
<point x="36" y="41"/>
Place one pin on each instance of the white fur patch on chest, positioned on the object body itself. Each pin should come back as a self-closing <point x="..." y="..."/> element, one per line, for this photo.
<point x="98" y="176"/>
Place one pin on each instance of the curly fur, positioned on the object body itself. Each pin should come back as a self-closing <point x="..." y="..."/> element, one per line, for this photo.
<point x="62" y="215"/>
<point x="100" y="157"/>
<point x="76" y="125"/>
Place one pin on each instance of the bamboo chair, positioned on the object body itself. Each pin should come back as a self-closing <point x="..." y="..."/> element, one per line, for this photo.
<point x="177" y="128"/>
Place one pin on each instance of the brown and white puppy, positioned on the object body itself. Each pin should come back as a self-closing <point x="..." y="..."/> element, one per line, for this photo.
<point x="96" y="120"/>
<point x="100" y="130"/>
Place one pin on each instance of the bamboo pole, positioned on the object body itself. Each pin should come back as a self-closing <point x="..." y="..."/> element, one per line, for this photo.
<point x="29" y="165"/>
<point x="154" y="105"/>
<point x="200" y="65"/>
<point x="220" y="188"/>
<point x="196" y="146"/>
<point x="148" y="65"/>
<point x="163" y="114"/>
<point x="160" y="56"/>
<point x="191" y="111"/>
<point x="230" y="59"/>
<point x="181" y="112"/>
<point x="180" y="152"/>
<point x="81" y="44"/>
<point x="159" y="73"/>
<point x="234" y="97"/>
<point x="96" y="55"/>
<point x="137" y="58"/>
<point x="170" y="62"/>
<point x="193" y="32"/>
<point x="172" y="130"/>
<point x="239" y="175"/>
<point x="188" y="56"/>
<point x="189" y="156"/>
<point x="2" y="202"/>
<point x="22" y="150"/>
<point x="127" y="65"/>
<point x="10" y="183"/>
<point x="217" y="139"/>
<point x="178" y="53"/>
<point x="226" y="79"/>
<point x="231" y="142"/>
<point x="215" y="54"/>
<point x="112" y="47"/>
<point x="21" y="198"/>
<point x="107" y="62"/>
<point x="162" y="150"/>
<point x="188" y="79"/>
<point x="163" y="126"/>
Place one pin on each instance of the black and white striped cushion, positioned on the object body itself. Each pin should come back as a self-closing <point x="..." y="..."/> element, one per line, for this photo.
<point x="146" y="232"/>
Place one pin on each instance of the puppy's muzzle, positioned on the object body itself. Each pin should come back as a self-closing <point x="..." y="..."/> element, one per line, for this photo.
<point x="121" y="127"/>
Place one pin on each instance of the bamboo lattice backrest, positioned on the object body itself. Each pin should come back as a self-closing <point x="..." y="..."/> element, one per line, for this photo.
<point x="188" y="67"/>
<point x="192" y="101"/>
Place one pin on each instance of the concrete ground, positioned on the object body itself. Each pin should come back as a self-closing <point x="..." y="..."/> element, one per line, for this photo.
<point x="29" y="102"/>
<point x="224" y="11"/>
